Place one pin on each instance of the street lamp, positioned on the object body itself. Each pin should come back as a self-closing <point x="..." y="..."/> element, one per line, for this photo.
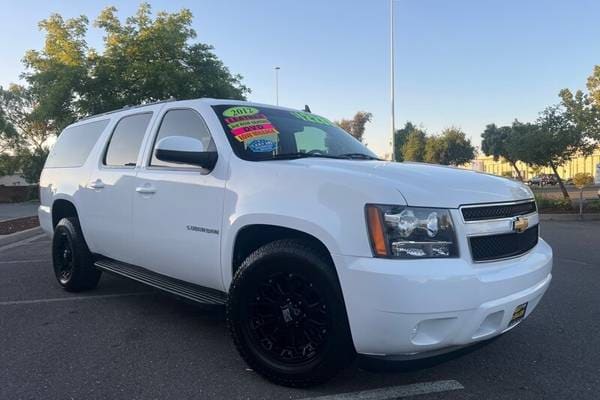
<point x="392" y="79"/>
<point x="277" y="85"/>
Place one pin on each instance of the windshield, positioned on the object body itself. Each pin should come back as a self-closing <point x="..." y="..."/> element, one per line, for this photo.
<point x="263" y="133"/>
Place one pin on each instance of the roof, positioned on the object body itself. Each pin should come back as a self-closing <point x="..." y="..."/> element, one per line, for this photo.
<point x="209" y="101"/>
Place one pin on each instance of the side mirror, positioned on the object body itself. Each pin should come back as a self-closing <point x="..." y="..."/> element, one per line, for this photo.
<point x="185" y="150"/>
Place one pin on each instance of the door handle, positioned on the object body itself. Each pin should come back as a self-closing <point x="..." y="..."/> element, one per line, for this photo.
<point x="146" y="189"/>
<point x="97" y="184"/>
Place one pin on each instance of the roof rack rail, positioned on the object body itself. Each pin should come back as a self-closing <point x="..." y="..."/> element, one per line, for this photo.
<point x="128" y="107"/>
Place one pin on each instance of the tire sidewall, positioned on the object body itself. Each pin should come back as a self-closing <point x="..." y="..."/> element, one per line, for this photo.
<point x="335" y="352"/>
<point x="84" y="275"/>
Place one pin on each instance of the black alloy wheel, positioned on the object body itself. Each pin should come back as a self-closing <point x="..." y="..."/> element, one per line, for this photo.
<point x="287" y="318"/>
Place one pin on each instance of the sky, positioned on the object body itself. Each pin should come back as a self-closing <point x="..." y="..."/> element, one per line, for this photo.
<point x="462" y="63"/>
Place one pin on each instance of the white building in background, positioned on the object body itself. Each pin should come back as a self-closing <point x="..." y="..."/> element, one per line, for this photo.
<point x="13" y="180"/>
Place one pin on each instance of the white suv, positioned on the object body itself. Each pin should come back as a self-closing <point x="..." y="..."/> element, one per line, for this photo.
<point x="318" y="249"/>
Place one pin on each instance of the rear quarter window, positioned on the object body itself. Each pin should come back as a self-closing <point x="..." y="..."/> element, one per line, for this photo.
<point x="74" y="145"/>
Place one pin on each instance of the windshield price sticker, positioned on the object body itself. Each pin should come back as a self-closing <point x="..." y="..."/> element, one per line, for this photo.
<point x="249" y="132"/>
<point x="316" y="119"/>
<point x="247" y="123"/>
<point x="262" y="146"/>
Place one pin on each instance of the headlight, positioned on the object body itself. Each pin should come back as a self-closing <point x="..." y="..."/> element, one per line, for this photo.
<point x="410" y="232"/>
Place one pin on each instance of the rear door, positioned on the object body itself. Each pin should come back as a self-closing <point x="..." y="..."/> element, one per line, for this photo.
<point x="177" y="208"/>
<point x="107" y="198"/>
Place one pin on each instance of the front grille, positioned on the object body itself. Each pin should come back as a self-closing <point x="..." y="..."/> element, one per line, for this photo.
<point x="486" y="248"/>
<point x="497" y="211"/>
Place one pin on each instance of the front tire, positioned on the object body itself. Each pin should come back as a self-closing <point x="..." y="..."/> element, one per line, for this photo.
<point x="287" y="316"/>
<point x="73" y="263"/>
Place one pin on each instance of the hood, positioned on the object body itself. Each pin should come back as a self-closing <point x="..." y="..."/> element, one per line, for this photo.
<point x="429" y="185"/>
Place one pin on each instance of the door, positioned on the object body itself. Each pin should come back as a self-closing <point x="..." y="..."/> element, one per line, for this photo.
<point x="177" y="208"/>
<point x="107" y="198"/>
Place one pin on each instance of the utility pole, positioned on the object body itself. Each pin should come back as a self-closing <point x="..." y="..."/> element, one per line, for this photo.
<point x="392" y="79"/>
<point x="277" y="85"/>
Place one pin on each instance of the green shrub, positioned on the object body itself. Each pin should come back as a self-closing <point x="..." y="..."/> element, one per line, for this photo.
<point x="592" y="205"/>
<point x="544" y="203"/>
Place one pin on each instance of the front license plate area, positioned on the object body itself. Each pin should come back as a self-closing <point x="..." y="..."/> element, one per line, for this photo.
<point x="518" y="314"/>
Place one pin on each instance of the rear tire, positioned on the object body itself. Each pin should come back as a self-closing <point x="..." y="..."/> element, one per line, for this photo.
<point x="287" y="317"/>
<point x="73" y="263"/>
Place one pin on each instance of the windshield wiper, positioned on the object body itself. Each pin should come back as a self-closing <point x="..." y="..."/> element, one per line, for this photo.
<point x="292" y="156"/>
<point x="358" y="156"/>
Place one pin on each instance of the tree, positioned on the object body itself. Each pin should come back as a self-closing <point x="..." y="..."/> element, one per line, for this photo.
<point x="401" y="136"/>
<point x="497" y="142"/>
<point x="550" y="142"/>
<point x="143" y="59"/>
<point x="357" y="125"/>
<point x="8" y="133"/>
<point x="593" y="85"/>
<point x="584" y="114"/>
<point x="21" y="106"/>
<point x="450" y="148"/>
<point x="414" y="147"/>
<point x="434" y="150"/>
<point x="30" y="147"/>
<point x="57" y="73"/>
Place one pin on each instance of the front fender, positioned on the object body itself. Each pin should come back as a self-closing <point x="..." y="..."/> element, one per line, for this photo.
<point x="284" y="221"/>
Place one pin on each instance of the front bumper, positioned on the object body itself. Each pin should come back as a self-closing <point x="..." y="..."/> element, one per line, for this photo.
<point x="406" y="307"/>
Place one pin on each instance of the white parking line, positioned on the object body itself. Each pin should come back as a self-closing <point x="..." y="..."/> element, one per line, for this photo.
<point x="25" y="261"/>
<point x="22" y="242"/>
<point x="395" y="392"/>
<point x="73" y="298"/>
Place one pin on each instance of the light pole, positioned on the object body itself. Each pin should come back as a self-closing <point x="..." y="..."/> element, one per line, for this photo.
<point x="277" y="85"/>
<point x="392" y="79"/>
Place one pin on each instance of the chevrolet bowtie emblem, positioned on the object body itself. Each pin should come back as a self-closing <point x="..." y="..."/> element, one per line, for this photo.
<point x="520" y="224"/>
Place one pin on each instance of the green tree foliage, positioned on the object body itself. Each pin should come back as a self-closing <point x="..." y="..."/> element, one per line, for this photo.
<point x="498" y="142"/>
<point x="451" y="147"/>
<point x="584" y="114"/>
<point x="357" y="125"/>
<point x="56" y="74"/>
<point x="22" y="113"/>
<point x="400" y="136"/>
<point x="414" y="146"/>
<point x="593" y="85"/>
<point x="144" y="59"/>
<point x="550" y="142"/>
<point x="8" y="133"/>
<point x="30" y="162"/>
<point x="29" y="146"/>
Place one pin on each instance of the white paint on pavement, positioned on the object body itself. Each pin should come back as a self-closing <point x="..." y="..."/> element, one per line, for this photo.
<point x="72" y="298"/>
<point x="395" y="392"/>
<point x="22" y="242"/>
<point x="39" y="260"/>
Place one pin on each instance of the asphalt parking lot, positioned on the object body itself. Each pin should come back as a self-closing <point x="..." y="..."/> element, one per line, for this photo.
<point x="126" y="341"/>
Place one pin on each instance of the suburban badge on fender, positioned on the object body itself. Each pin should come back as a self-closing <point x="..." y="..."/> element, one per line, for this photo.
<point x="520" y="224"/>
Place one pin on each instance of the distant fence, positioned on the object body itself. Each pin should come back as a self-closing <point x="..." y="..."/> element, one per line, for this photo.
<point x="17" y="194"/>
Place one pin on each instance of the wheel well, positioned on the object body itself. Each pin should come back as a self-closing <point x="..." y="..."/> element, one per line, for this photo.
<point x="62" y="209"/>
<point x="252" y="237"/>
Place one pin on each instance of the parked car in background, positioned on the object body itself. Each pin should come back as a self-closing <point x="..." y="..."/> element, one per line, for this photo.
<point x="318" y="249"/>
<point x="543" y="180"/>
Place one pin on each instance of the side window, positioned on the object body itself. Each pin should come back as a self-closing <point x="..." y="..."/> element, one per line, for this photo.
<point x="126" y="140"/>
<point x="75" y="144"/>
<point x="181" y="123"/>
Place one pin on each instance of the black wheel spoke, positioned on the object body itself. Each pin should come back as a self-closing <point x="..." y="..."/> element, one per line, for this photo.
<point x="288" y="318"/>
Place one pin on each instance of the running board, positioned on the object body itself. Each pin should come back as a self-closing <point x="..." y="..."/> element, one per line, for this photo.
<point x="183" y="289"/>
